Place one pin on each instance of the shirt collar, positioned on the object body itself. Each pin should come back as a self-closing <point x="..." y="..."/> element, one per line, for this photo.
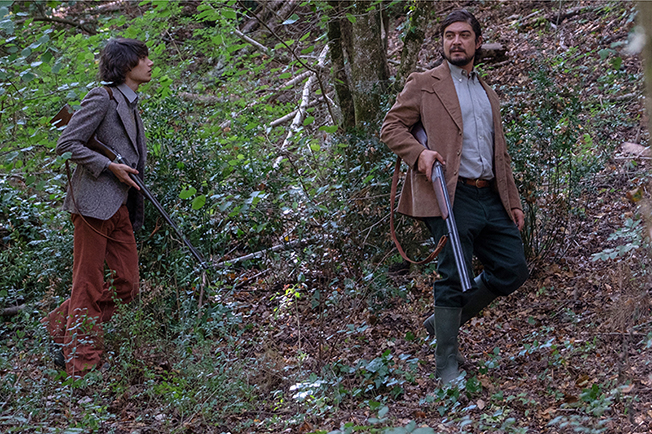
<point x="458" y="73"/>
<point x="128" y="92"/>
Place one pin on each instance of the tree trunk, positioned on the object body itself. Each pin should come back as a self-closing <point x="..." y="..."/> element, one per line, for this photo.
<point x="369" y="71"/>
<point x="418" y="15"/>
<point x="338" y="72"/>
<point x="645" y="20"/>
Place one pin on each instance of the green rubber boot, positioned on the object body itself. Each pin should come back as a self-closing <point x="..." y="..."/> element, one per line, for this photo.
<point x="479" y="299"/>
<point x="447" y="324"/>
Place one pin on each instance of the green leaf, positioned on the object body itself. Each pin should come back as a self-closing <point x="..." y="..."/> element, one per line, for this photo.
<point x="199" y="201"/>
<point x="616" y="63"/>
<point x="329" y="129"/>
<point x="57" y="67"/>
<point x="187" y="192"/>
<point x="351" y="18"/>
<point x="315" y="147"/>
<point x="308" y="120"/>
<point x="46" y="57"/>
<point x="27" y="76"/>
<point x="229" y="14"/>
<point x="383" y="411"/>
<point x="293" y="19"/>
<point x="308" y="50"/>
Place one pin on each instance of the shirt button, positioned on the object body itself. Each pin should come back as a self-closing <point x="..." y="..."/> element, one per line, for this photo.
<point x="458" y="152"/>
<point x="455" y="173"/>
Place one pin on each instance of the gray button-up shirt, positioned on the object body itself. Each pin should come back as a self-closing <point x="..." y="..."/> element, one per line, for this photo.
<point x="477" y="120"/>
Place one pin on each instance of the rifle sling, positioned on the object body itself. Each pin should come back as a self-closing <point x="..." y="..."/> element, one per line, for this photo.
<point x="392" y="231"/>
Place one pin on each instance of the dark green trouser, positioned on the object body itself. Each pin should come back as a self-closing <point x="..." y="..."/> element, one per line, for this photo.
<point x="487" y="231"/>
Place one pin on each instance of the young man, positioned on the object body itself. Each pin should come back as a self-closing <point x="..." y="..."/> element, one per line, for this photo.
<point x="461" y="117"/>
<point x="105" y="205"/>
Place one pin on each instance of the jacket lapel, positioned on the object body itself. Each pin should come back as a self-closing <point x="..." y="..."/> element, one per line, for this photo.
<point x="444" y="88"/>
<point x="127" y="118"/>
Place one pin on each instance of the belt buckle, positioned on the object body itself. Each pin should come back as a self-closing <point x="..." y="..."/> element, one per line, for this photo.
<point x="477" y="183"/>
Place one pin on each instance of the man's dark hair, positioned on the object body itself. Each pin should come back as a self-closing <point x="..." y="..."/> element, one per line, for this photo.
<point x="118" y="57"/>
<point x="464" y="16"/>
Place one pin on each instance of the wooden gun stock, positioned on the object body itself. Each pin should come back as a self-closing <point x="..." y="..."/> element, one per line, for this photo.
<point x="62" y="119"/>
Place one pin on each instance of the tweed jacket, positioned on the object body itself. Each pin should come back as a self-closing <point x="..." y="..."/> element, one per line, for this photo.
<point x="94" y="191"/>
<point x="431" y="97"/>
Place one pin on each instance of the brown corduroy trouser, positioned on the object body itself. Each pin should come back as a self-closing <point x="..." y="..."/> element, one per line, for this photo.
<point x="77" y="323"/>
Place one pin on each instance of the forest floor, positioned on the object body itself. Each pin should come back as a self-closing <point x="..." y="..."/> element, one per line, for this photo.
<point x="571" y="351"/>
<point x="572" y="346"/>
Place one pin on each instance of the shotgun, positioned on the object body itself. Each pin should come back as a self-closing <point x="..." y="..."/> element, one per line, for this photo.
<point x="444" y="202"/>
<point x="63" y="117"/>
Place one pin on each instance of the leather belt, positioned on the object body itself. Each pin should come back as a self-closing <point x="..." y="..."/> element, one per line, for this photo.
<point x="479" y="183"/>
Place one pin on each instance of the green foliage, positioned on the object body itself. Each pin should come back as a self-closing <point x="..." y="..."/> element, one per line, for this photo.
<point x="557" y="141"/>
<point x="594" y="402"/>
<point x="630" y="238"/>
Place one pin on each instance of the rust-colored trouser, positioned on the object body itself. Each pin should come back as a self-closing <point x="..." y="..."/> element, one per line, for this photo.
<point x="77" y="323"/>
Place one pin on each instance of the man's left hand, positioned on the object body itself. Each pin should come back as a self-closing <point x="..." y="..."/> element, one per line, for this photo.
<point x="519" y="218"/>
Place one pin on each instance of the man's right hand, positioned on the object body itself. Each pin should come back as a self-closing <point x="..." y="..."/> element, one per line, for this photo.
<point x="122" y="171"/>
<point x="427" y="160"/>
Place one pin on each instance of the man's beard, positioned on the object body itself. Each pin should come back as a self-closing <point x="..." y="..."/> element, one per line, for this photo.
<point x="460" y="62"/>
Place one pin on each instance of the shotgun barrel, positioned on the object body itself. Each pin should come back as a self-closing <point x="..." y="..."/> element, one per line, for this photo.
<point x="444" y="202"/>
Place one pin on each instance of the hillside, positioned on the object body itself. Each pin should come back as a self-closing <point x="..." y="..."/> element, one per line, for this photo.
<point x="325" y="334"/>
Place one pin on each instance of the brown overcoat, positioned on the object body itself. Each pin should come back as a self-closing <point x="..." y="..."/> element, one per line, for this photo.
<point x="431" y="97"/>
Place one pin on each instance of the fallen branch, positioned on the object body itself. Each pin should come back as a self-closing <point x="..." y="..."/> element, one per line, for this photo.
<point x="262" y="253"/>
<point x="282" y="14"/>
<point x="301" y="111"/>
<point x="11" y="311"/>
<point x="260" y="47"/>
<point x="299" y="78"/>
<point x="290" y="115"/>
<point x="267" y="8"/>
<point x="82" y="26"/>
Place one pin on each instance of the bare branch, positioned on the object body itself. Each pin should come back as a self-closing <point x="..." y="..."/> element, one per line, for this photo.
<point x="82" y="26"/>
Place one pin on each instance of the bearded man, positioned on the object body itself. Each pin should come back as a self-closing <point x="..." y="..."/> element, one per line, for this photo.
<point x="461" y="117"/>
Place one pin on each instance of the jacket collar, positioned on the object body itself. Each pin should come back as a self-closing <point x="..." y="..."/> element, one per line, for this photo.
<point x="128" y="92"/>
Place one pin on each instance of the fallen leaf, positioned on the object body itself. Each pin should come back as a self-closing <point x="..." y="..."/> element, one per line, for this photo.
<point x="628" y="388"/>
<point x="635" y="195"/>
<point x="569" y="399"/>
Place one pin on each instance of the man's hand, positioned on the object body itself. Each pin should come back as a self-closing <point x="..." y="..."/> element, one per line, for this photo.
<point x="122" y="171"/>
<point x="519" y="218"/>
<point x="426" y="160"/>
